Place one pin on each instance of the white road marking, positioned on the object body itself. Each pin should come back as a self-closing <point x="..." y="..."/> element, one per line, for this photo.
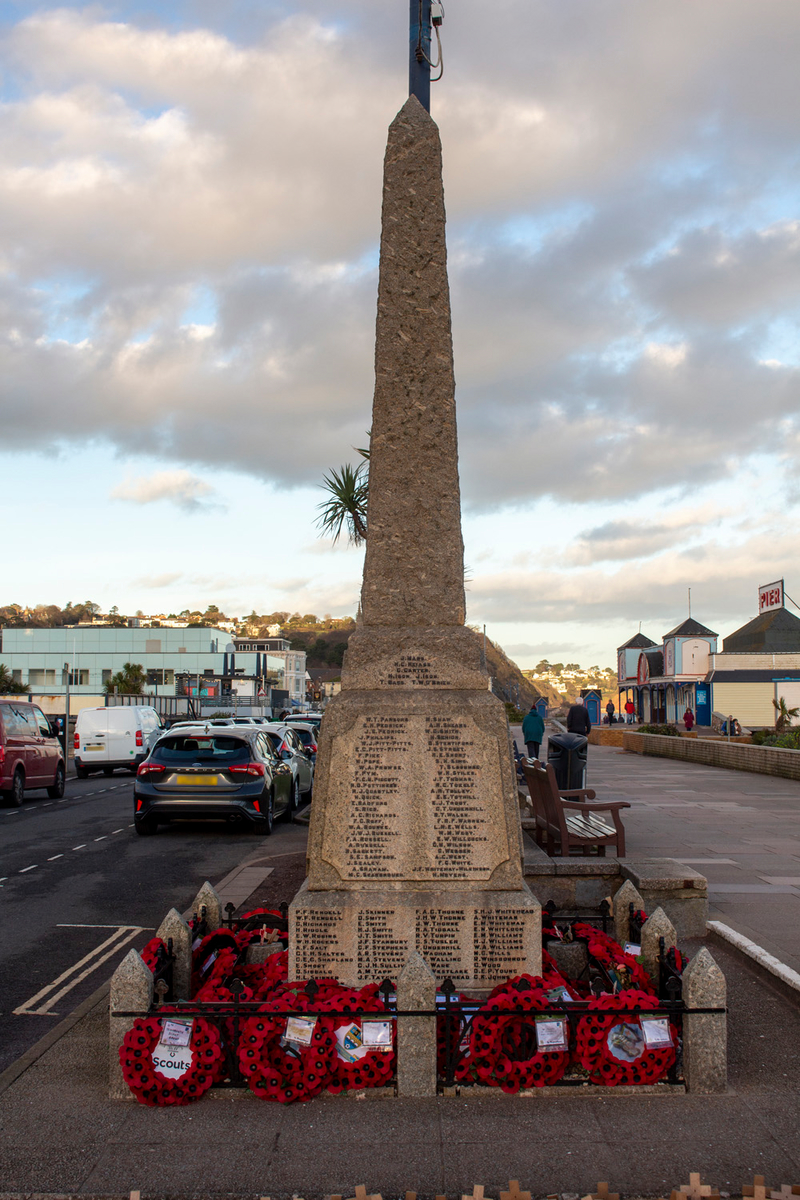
<point x="47" y="804"/>
<point x="64" y="801"/>
<point x="113" y="831"/>
<point x="94" y="959"/>
<point x="4" y="878"/>
<point x="33" y="868"/>
<point x="77" y="925"/>
<point x="55" y="856"/>
<point x="101" y="839"/>
<point x="81" y="847"/>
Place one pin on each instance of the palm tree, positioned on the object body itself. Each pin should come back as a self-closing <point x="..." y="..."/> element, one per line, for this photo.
<point x="10" y="686"/>
<point x="346" y="505"/>
<point x="783" y="714"/>
<point x="129" y="681"/>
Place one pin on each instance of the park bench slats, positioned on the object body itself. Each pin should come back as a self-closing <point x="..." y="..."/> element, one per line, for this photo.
<point x="564" y="821"/>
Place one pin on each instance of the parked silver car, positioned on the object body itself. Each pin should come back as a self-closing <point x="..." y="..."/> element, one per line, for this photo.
<point x="290" y="750"/>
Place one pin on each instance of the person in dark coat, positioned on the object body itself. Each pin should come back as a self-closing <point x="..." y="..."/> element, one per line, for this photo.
<point x="533" y="732"/>
<point x="578" y="719"/>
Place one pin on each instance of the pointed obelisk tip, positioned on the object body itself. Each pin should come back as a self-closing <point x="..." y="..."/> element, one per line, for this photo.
<point x="412" y="112"/>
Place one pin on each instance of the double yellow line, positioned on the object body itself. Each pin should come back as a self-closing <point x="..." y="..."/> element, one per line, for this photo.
<point x="50" y="995"/>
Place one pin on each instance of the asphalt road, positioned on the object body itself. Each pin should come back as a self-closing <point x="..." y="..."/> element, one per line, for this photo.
<point x="77" y="883"/>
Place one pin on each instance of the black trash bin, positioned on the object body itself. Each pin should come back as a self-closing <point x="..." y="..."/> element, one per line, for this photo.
<point x="568" y="752"/>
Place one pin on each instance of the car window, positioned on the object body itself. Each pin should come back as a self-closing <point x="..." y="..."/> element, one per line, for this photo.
<point x="43" y="723"/>
<point x="275" y="738"/>
<point x="11" y="722"/>
<point x="267" y="748"/>
<point x="25" y="725"/>
<point x="191" y="748"/>
<point x="304" y="736"/>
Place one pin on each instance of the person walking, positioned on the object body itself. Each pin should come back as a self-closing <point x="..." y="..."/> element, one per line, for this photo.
<point x="688" y="720"/>
<point x="610" y="712"/>
<point x="630" y="709"/>
<point x="578" y="719"/>
<point x="533" y="732"/>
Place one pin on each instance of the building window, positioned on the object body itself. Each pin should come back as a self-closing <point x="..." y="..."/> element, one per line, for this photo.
<point x="106" y="675"/>
<point x="41" y="677"/>
<point x="17" y="676"/>
<point x="78" y="678"/>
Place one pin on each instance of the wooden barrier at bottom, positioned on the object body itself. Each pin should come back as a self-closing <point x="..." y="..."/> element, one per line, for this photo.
<point x="695" y="1189"/>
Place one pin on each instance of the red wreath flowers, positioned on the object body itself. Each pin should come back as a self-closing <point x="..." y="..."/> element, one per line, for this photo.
<point x="140" y="1069"/>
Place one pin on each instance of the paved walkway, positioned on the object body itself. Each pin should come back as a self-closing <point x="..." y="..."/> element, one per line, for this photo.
<point x="742" y="831"/>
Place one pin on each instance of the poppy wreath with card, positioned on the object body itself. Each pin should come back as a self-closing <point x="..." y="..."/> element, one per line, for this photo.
<point x="609" y="953"/>
<point x="503" y="1048"/>
<point x="148" y="1084"/>
<point x="277" y="1070"/>
<point x="371" y="1067"/>
<point x="150" y="953"/>
<point x="207" y="954"/>
<point x="612" y="1048"/>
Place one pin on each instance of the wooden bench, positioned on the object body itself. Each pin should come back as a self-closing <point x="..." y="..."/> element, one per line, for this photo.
<point x="562" y="823"/>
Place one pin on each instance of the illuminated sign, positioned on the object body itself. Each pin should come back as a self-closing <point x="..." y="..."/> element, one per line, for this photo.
<point x="770" y="595"/>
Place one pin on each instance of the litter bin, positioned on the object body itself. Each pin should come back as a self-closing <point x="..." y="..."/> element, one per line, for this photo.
<point x="568" y="752"/>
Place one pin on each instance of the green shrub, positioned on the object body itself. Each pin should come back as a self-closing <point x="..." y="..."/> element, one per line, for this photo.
<point x="515" y="717"/>
<point x="664" y="730"/>
<point x="785" y="741"/>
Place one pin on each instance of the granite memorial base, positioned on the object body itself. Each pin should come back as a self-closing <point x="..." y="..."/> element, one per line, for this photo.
<point x="477" y="939"/>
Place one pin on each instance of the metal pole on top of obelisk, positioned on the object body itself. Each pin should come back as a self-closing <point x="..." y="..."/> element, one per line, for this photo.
<point x="419" y="52"/>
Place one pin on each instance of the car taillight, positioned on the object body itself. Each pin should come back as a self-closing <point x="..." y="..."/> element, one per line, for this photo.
<point x="253" y="768"/>
<point x="150" y="768"/>
<point x="313" y="747"/>
<point x="76" y="742"/>
<point x="2" y="755"/>
<point x="139" y="738"/>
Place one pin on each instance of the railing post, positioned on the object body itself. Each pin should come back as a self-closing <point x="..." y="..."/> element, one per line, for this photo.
<point x="416" y="1036"/>
<point x="656" y="928"/>
<point x="626" y="896"/>
<point x="705" y="1036"/>
<point x="131" y="991"/>
<point x="207" y="898"/>
<point x="174" y="927"/>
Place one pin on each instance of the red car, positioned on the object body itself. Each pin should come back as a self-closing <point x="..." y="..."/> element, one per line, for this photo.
<point x="30" y="753"/>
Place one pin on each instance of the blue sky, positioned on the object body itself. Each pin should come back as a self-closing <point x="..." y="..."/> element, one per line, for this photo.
<point x="189" y="216"/>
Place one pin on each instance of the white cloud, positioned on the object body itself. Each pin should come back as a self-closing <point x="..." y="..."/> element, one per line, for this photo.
<point x="180" y="487"/>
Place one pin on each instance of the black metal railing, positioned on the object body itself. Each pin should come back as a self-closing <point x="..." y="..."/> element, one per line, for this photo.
<point x="454" y="1014"/>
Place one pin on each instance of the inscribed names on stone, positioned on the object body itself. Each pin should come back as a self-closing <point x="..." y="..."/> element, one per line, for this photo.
<point x="412" y="799"/>
<point x="473" y="945"/>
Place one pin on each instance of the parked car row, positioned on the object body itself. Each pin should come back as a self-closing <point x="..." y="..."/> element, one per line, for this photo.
<point x="245" y="770"/>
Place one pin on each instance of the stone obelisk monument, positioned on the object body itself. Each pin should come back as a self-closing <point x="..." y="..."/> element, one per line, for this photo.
<point x="415" y="839"/>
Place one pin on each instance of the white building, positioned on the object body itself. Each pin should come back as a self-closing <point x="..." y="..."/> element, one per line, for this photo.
<point x="294" y="662"/>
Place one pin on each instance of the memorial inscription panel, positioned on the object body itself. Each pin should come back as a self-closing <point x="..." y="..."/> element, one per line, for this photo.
<point x="412" y="798"/>
<point x="474" y="945"/>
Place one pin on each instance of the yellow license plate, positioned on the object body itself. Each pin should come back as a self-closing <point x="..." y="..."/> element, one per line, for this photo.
<point x="199" y="780"/>
<point x="93" y="747"/>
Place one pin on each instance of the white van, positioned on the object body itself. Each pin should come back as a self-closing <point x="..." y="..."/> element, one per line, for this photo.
<point x="120" y="736"/>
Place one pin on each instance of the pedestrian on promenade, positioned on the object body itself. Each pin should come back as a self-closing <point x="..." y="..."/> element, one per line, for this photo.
<point x="688" y="719"/>
<point x="533" y="732"/>
<point x="578" y="719"/>
<point x="630" y="709"/>
<point x="610" y="712"/>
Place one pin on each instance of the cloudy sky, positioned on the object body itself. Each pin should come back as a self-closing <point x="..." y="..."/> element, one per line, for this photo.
<point x="189" y="220"/>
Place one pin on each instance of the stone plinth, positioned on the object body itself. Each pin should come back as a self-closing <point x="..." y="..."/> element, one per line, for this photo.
<point x="477" y="939"/>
